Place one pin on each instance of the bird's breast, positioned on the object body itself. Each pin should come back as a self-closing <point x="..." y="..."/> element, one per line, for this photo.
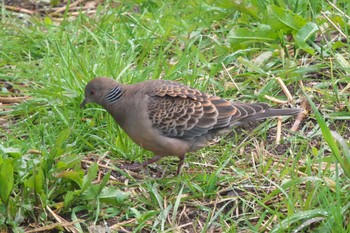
<point x="133" y="119"/>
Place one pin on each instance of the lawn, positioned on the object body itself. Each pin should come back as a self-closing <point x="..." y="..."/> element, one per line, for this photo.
<point x="60" y="166"/>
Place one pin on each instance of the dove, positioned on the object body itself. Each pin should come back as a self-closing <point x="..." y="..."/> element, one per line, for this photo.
<point x="172" y="119"/>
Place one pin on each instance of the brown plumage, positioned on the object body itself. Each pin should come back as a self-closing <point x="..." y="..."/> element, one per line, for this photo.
<point x="171" y="119"/>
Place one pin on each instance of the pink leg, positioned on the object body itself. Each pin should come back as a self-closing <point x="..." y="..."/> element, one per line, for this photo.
<point x="181" y="162"/>
<point x="152" y="160"/>
<point x="138" y="166"/>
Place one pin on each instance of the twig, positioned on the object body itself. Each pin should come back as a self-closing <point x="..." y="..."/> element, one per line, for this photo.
<point x="120" y="224"/>
<point x="345" y="88"/>
<point x="253" y="162"/>
<point x="285" y="89"/>
<point x="102" y="157"/>
<point x="60" y="9"/>
<point x="131" y="173"/>
<point x="77" y="8"/>
<point x="13" y="99"/>
<point x="275" y="100"/>
<point x="229" y="75"/>
<point x="88" y="12"/>
<point x="175" y="229"/>
<point x="53" y="226"/>
<point x="61" y="222"/>
<point x="183" y="212"/>
<point x="302" y="115"/>
<point x="34" y="152"/>
<point x="342" y="12"/>
<point x="19" y="9"/>
<point x="204" y="164"/>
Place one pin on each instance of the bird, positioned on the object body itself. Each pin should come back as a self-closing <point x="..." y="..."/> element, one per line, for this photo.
<point x="170" y="118"/>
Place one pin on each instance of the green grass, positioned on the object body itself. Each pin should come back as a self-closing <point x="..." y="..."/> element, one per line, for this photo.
<point x="243" y="183"/>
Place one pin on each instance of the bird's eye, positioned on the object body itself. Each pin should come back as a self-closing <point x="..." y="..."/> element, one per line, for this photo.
<point x="92" y="92"/>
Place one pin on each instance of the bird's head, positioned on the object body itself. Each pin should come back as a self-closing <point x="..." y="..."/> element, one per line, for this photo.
<point x="102" y="91"/>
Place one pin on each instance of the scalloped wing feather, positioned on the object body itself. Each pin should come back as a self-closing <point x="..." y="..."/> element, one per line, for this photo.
<point x="183" y="112"/>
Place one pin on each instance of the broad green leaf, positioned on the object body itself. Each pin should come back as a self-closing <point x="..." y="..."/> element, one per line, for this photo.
<point x="69" y="198"/>
<point x="104" y="182"/>
<point x="263" y="33"/>
<point x="304" y="34"/>
<point x="62" y="137"/>
<point x="136" y="213"/>
<point x="60" y="142"/>
<point x="14" y="152"/>
<point x="90" y="176"/>
<point x="304" y="46"/>
<point x="307" y="31"/>
<point x="283" y="19"/>
<point x="91" y="193"/>
<point x="69" y="161"/>
<point x="244" y="7"/>
<point x="343" y="62"/>
<point x="37" y="182"/>
<point x="39" y="179"/>
<point x="6" y="180"/>
<point x="262" y="58"/>
<point x="114" y="195"/>
<point x="300" y="216"/>
<point x="338" y="44"/>
<point x="252" y="66"/>
<point x="73" y="175"/>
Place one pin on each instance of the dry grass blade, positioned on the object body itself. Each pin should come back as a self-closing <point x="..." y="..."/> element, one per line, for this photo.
<point x="11" y="100"/>
<point x="69" y="226"/>
<point x="275" y="100"/>
<point x="131" y="173"/>
<point x="334" y="25"/>
<point x="32" y="151"/>
<point x="53" y="227"/>
<point x="286" y="92"/>
<point x="232" y="80"/>
<point x="61" y="9"/>
<point x="120" y="225"/>
<point x="19" y="9"/>
<point x="335" y="7"/>
<point x="178" y="228"/>
<point x="285" y="89"/>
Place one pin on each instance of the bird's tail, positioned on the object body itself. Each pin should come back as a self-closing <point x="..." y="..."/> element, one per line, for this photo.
<point x="261" y="111"/>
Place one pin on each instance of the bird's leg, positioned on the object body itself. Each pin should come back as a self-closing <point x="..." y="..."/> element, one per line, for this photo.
<point x="181" y="162"/>
<point x="137" y="166"/>
<point x="152" y="160"/>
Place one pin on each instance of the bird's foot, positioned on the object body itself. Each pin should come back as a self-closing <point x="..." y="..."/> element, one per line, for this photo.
<point x="133" y="166"/>
<point x="139" y="166"/>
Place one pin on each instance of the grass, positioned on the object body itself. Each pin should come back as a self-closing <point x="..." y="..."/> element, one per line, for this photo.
<point x="60" y="164"/>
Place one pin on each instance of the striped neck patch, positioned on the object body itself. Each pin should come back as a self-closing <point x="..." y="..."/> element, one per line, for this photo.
<point x="113" y="95"/>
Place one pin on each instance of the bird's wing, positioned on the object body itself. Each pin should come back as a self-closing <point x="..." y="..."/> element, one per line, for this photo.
<point x="183" y="112"/>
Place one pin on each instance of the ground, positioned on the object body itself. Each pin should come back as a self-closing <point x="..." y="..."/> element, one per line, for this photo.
<point x="60" y="166"/>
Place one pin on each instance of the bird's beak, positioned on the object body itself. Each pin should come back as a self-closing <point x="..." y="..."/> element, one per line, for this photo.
<point x="82" y="105"/>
